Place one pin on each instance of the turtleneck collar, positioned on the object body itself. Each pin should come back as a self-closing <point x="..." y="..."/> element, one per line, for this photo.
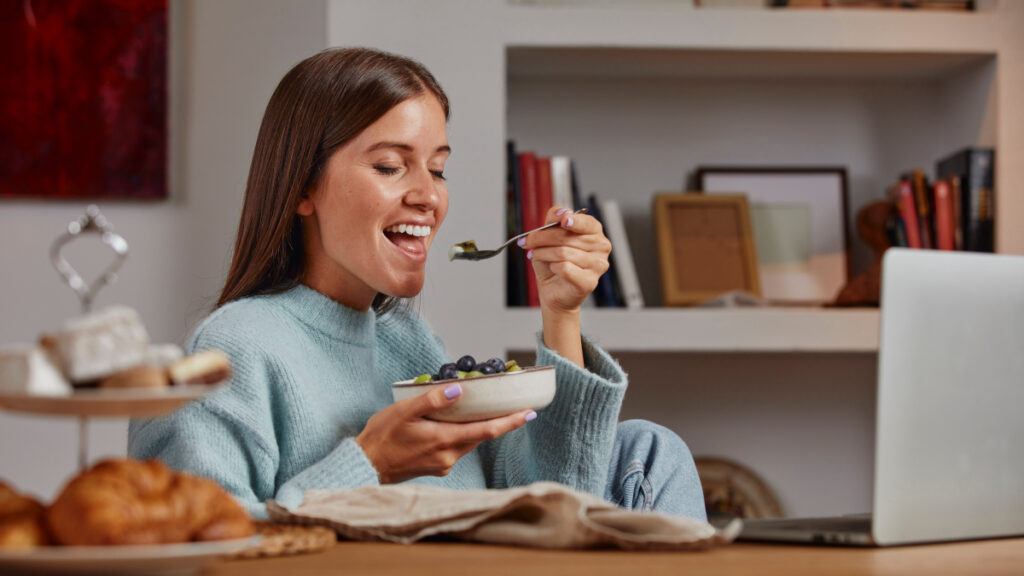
<point x="336" y="320"/>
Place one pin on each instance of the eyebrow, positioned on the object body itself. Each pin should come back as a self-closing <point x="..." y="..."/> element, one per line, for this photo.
<point x="406" y="147"/>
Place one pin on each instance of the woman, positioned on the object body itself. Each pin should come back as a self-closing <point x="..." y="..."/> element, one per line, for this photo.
<point x="352" y="147"/>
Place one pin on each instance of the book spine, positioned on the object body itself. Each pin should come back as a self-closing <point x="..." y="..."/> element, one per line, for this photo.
<point x="943" y="216"/>
<point x="561" y="182"/>
<point x="908" y="213"/>
<point x="976" y="169"/>
<point x="622" y="255"/>
<point x="922" y="200"/>
<point x="528" y="181"/>
<point x="515" y="268"/>
<point x="605" y="294"/>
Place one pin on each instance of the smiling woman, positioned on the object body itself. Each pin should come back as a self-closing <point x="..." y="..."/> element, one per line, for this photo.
<point x="343" y="202"/>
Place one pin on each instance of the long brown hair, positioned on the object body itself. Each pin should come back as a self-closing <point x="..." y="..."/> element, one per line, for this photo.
<point x="321" y="104"/>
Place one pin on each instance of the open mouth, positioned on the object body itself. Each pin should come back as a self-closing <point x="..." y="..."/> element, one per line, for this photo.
<point x="408" y="237"/>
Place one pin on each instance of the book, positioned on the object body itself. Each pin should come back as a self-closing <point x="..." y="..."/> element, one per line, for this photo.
<point x="943" y="215"/>
<point x="530" y="190"/>
<point x="622" y="256"/>
<point x="561" y="182"/>
<point x="958" y="230"/>
<point x="908" y="213"/>
<point x="923" y="203"/>
<point x="606" y="293"/>
<point x="515" y="266"/>
<point x="975" y="168"/>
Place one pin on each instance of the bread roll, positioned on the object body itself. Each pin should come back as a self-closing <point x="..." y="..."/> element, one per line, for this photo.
<point x="22" y="520"/>
<point x="124" y="502"/>
<point x="206" y="367"/>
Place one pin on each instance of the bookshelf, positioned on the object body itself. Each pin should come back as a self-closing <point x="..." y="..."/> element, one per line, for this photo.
<point x="641" y="95"/>
<point x="878" y="91"/>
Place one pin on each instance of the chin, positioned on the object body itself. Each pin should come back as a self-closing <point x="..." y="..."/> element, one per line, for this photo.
<point x="407" y="290"/>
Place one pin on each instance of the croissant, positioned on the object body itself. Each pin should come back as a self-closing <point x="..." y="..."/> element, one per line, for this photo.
<point x="125" y="502"/>
<point x="22" y="520"/>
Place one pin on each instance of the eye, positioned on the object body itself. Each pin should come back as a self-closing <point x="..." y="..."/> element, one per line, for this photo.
<point x="385" y="170"/>
<point x="439" y="174"/>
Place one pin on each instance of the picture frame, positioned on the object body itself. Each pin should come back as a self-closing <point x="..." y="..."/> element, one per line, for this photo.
<point x="801" y="227"/>
<point x="705" y="247"/>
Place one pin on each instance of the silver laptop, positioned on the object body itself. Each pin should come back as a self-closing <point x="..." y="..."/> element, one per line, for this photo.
<point x="949" y="443"/>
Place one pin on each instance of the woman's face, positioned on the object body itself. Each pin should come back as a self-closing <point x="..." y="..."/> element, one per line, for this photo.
<point x="369" y="223"/>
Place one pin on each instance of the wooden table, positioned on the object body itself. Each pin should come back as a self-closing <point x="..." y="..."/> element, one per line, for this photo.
<point x="422" y="559"/>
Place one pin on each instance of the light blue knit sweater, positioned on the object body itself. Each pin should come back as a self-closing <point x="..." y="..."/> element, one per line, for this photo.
<point x="309" y="373"/>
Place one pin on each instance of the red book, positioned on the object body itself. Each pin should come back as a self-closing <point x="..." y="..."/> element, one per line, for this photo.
<point x="944" y="226"/>
<point x="530" y="190"/>
<point x="909" y="214"/>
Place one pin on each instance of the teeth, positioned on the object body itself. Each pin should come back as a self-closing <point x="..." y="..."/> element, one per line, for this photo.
<point x="410" y="230"/>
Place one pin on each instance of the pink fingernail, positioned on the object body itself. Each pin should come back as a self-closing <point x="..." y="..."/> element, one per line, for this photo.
<point x="568" y="222"/>
<point x="562" y="211"/>
<point x="453" y="391"/>
<point x="531" y="416"/>
<point x="529" y="255"/>
<point x="521" y="241"/>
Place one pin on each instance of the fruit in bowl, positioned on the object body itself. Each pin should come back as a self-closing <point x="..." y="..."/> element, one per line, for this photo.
<point x="487" y="391"/>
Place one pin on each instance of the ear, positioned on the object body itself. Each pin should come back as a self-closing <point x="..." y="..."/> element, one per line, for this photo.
<point x="306" y="207"/>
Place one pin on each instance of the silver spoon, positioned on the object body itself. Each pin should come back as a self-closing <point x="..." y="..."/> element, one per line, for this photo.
<point x="468" y="251"/>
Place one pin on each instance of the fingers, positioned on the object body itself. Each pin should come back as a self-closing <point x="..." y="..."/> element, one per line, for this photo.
<point x="579" y="230"/>
<point x="432" y="401"/>
<point x="477" y="432"/>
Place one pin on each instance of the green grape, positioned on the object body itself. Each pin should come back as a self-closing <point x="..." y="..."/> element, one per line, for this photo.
<point x="423" y="378"/>
<point x="474" y="374"/>
<point x="512" y="366"/>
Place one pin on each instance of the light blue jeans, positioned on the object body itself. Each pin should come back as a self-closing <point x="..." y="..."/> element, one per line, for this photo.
<point x="652" y="469"/>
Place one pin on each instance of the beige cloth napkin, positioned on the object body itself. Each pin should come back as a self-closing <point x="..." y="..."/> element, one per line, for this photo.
<point x="542" y="515"/>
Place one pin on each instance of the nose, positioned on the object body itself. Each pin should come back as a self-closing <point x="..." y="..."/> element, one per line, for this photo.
<point x="425" y="192"/>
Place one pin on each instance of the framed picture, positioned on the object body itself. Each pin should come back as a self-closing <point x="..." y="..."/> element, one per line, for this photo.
<point x="83" y="104"/>
<point x="799" y="216"/>
<point x="705" y="247"/>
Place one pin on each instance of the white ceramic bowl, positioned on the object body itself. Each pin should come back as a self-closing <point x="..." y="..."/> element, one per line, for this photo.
<point x="490" y="395"/>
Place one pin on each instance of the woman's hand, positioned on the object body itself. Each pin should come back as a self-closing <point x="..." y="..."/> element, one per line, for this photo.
<point x="402" y="444"/>
<point x="568" y="260"/>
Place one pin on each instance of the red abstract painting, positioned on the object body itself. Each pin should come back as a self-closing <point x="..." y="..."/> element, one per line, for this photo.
<point x="83" y="99"/>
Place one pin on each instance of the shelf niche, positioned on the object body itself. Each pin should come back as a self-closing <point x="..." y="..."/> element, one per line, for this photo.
<point x="637" y="121"/>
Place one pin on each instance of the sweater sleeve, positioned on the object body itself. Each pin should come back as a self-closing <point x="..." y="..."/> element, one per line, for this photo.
<point x="229" y="436"/>
<point x="571" y="440"/>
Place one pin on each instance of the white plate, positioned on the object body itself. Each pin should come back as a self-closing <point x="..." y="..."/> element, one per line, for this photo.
<point x="108" y="401"/>
<point x="157" y="559"/>
<point x="488" y="396"/>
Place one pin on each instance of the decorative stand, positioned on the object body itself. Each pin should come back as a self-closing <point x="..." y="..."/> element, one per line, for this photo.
<point x="92" y="222"/>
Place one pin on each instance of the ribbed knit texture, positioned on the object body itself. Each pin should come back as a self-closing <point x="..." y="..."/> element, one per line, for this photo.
<point x="309" y="372"/>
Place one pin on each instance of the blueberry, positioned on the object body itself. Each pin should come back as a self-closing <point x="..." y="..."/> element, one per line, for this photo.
<point x="466" y="363"/>
<point x="447" y="371"/>
<point x="498" y="363"/>
<point x="486" y="368"/>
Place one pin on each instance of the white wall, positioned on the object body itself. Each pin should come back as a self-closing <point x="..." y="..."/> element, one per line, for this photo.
<point x="225" y="59"/>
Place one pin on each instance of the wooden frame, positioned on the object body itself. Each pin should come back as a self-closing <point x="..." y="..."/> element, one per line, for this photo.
<point x="705" y="247"/>
<point x="801" y="227"/>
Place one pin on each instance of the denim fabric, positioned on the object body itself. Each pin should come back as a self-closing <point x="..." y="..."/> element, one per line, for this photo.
<point x="652" y="469"/>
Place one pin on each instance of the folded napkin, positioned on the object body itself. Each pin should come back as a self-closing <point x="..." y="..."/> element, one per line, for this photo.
<point x="542" y="515"/>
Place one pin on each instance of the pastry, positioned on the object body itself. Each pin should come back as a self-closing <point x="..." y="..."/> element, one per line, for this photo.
<point x="163" y="355"/>
<point x="29" y="370"/>
<point x="286" y="539"/>
<point x="206" y="367"/>
<point x="22" y="520"/>
<point x="138" y="377"/>
<point x="124" y="501"/>
<point x="89" y="347"/>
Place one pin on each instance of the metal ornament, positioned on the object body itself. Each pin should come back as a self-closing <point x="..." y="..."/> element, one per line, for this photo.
<point x="90" y="222"/>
